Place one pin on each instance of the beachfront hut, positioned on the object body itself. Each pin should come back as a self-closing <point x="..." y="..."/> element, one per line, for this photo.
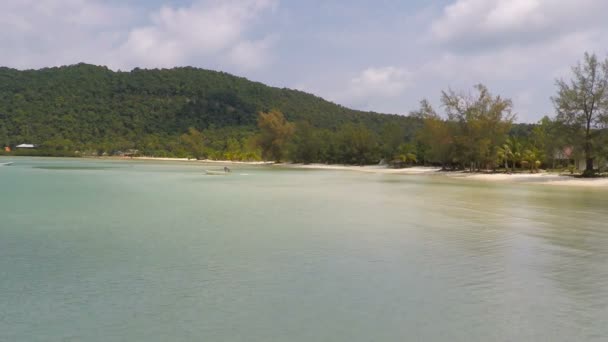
<point x="29" y="146"/>
<point x="598" y="163"/>
<point x="568" y="156"/>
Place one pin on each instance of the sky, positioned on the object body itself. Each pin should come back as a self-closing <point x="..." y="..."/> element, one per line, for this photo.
<point x="379" y="55"/>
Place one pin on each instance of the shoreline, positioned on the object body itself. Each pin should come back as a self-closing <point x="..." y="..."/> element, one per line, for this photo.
<point x="416" y="170"/>
<point x="541" y="178"/>
<point x="208" y="161"/>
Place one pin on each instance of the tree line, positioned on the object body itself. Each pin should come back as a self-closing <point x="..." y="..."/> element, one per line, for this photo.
<point x="89" y="110"/>
<point x="187" y="112"/>
<point x="476" y="132"/>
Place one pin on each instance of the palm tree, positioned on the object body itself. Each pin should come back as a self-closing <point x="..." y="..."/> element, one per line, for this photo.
<point x="514" y="151"/>
<point x="505" y="154"/>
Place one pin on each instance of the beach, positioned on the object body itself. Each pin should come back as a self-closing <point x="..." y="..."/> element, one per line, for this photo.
<point x="543" y="178"/>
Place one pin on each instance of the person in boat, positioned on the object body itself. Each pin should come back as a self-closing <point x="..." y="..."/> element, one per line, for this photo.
<point x="226" y="169"/>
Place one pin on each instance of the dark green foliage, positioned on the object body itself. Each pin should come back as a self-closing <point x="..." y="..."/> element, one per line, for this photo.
<point x="193" y="113"/>
<point x="358" y="145"/>
<point x="94" y="110"/>
<point x="306" y="144"/>
<point x="392" y="136"/>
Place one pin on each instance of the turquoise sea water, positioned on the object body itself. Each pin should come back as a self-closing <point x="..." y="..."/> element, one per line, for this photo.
<point x="95" y="250"/>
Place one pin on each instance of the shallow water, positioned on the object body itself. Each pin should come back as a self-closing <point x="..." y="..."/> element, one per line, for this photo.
<point x="140" y="251"/>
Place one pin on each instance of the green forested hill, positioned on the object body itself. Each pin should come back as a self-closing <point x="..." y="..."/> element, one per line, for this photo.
<point x="86" y="106"/>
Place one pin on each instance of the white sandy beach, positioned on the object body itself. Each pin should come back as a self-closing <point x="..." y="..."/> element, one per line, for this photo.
<point x="586" y="182"/>
<point x="532" y="177"/>
<point x="367" y="168"/>
<point x="543" y="178"/>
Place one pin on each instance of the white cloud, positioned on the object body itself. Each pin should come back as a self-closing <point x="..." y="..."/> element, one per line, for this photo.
<point x="206" y="33"/>
<point x="511" y="71"/>
<point x="479" y="23"/>
<point x="512" y="62"/>
<point x="250" y="55"/>
<point x="373" y="85"/>
<point x="516" y="47"/>
<point x="40" y="33"/>
<point x="30" y="15"/>
<point x="386" y="81"/>
<point x="178" y="36"/>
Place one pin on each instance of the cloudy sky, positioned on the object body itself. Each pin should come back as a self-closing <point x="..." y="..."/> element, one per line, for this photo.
<point x="382" y="55"/>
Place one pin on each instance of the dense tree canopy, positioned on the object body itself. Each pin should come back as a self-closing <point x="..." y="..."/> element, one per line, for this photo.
<point x="89" y="108"/>
<point x="194" y="113"/>
<point x="275" y="133"/>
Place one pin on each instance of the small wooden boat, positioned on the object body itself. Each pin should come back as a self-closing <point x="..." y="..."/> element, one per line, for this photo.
<point x="216" y="173"/>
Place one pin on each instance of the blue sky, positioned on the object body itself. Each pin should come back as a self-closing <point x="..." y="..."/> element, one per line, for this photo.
<point x="383" y="55"/>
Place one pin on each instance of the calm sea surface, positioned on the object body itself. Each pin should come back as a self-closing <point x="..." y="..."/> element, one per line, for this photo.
<point x="141" y="251"/>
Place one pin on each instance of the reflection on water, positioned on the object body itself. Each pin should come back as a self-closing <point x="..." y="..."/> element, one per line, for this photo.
<point x="82" y="168"/>
<point x="134" y="251"/>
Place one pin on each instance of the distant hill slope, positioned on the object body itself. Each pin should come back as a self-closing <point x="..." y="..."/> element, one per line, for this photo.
<point x="86" y="103"/>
